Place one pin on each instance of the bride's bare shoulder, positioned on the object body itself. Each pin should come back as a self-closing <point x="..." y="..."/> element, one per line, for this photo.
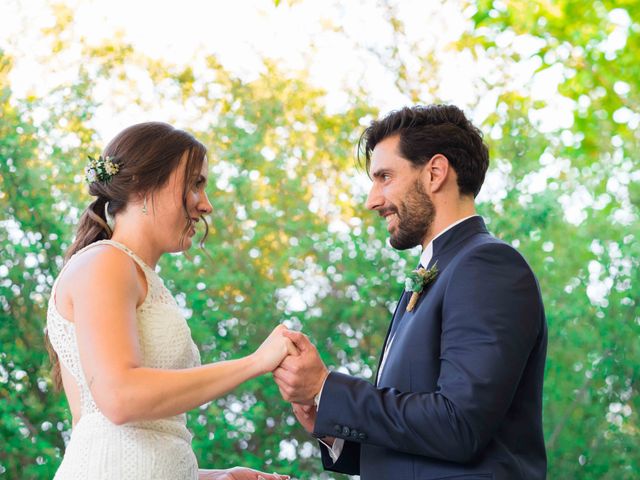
<point x="99" y="267"/>
<point x="101" y="259"/>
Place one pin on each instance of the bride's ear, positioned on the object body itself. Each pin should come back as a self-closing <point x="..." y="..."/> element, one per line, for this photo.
<point x="138" y="197"/>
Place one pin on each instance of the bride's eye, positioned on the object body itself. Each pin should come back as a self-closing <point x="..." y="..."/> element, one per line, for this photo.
<point x="199" y="183"/>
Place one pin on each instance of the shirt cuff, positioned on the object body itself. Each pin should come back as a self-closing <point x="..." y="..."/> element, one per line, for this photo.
<point x="316" y="399"/>
<point x="338" y="444"/>
<point x="335" y="450"/>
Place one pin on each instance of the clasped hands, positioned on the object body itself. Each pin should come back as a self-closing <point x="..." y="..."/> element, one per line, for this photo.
<point x="300" y="377"/>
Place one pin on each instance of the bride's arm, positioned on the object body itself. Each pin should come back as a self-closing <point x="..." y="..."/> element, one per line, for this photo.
<point x="106" y="290"/>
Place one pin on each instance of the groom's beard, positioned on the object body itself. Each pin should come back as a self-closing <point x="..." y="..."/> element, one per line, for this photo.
<point x="415" y="216"/>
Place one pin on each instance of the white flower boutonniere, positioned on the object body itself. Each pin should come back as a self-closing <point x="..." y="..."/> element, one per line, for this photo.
<point x="417" y="281"/>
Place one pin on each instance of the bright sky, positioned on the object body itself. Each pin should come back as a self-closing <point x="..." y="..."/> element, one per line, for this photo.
<point x="332" y="39"/>
<point x="242" y="32"/>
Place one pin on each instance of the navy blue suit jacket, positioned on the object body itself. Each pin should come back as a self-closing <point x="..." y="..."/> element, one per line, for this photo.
<point x="460" y="395"/>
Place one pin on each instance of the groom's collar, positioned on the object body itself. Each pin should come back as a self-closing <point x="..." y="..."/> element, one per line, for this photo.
<point x="450" y="236"/>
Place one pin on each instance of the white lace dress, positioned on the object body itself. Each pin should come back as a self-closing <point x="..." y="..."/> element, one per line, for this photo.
<point x="156" y="449"/>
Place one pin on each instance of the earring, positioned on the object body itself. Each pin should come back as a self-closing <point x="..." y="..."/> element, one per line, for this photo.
<point x="111" y="222"/>
<point x="144" y="206"/>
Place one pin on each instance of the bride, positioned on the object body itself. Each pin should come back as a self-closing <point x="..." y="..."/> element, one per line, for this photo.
<point x="120" y="346"/>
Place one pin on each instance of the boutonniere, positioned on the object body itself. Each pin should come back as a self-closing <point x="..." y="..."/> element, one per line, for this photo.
<point x="417" y="281"/>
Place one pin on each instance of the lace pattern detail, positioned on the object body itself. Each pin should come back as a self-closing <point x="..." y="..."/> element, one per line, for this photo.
<point x="158" y="449"/>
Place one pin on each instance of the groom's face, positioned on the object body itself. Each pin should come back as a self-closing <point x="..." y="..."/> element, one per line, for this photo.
<point x="398" y="195"/>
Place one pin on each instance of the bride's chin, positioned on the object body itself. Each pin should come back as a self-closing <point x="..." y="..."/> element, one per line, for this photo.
<point x="181" y="245"/>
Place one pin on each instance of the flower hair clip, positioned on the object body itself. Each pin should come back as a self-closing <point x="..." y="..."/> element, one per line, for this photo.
<point x="101" y="169"/>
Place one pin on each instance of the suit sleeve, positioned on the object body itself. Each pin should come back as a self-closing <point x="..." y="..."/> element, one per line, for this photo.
<point x="491" y="316"/>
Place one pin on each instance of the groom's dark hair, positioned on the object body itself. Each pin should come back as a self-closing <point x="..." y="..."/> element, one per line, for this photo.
<point x="425" y="131"/>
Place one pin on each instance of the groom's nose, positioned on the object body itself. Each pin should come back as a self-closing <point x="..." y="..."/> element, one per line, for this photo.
<point x="375" y="199"/>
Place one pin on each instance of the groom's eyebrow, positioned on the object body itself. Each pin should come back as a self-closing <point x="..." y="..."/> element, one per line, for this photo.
<point x="379" y="173"/>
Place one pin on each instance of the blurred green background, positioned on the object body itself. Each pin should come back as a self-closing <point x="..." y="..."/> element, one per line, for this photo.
<point x="554" y="85"/>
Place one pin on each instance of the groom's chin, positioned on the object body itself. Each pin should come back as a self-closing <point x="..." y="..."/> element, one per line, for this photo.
<point x="402" y="243"/>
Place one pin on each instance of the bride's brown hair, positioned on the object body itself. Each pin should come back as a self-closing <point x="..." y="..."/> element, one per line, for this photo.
<point x="146" y="154"/>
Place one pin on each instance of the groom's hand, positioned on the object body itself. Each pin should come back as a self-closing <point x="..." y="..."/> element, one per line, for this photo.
<point x="301" y="377"/>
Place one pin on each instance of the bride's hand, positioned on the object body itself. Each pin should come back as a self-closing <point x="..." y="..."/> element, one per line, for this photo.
<point x="274" y="349"/>
<point x="240" y="473"/>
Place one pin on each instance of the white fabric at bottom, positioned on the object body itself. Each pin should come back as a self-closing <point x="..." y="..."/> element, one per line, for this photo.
<point x="101" y="450"/>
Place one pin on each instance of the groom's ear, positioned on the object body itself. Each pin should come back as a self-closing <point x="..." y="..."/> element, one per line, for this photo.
<point x="436" y="173"/>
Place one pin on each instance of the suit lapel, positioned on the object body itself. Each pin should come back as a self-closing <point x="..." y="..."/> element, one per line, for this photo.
<point x="400" y="307"/>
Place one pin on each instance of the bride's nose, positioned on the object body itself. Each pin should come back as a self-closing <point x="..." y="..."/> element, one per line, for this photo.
<point x="204" y="205"/>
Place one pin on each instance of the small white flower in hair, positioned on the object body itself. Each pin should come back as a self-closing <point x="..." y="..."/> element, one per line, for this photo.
<point x="91" y="175"/>
<point x="110" y="167"/>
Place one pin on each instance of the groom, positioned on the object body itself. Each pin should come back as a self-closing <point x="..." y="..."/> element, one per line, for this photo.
<point x="458" y="392"/>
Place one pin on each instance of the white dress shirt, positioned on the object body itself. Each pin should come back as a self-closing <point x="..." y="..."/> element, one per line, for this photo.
<point x="427" y="254"/>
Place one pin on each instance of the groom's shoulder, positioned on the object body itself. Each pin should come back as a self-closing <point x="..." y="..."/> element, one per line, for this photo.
<point x="487" y="249"/>
<point x="488" y="265"/>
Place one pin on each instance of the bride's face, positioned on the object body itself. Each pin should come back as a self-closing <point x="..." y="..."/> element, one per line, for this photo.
<point x="175" y="227"/>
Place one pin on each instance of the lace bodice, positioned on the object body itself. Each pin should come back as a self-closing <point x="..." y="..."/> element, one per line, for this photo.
<point x="165" y="342"/>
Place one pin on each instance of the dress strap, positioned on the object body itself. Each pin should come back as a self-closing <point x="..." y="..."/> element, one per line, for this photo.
<point x="128" y="251"/>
